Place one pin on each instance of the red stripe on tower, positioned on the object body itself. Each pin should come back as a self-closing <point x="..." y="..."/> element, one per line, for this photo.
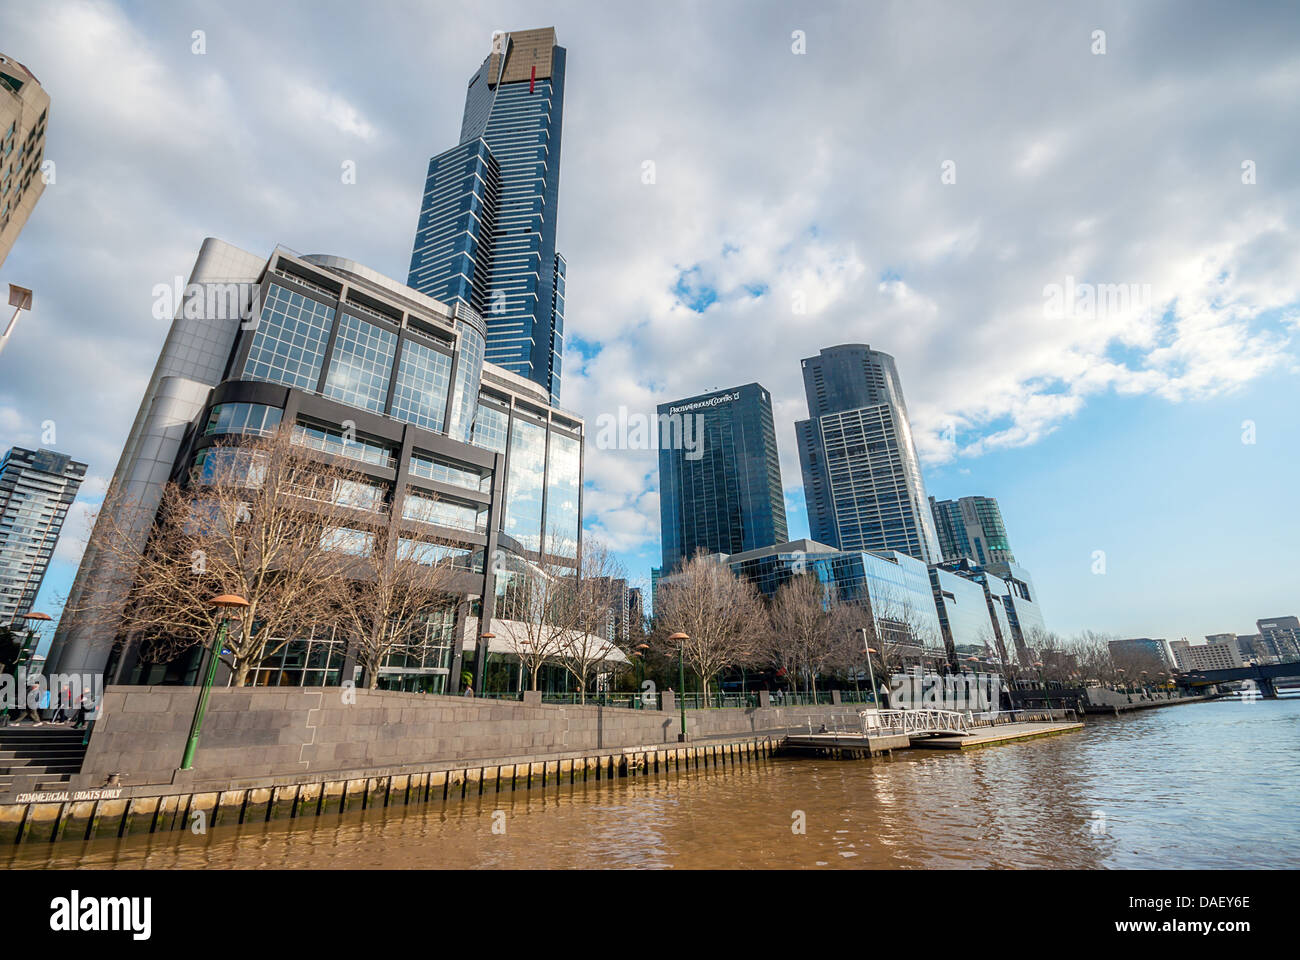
<point x="532" y="80"/>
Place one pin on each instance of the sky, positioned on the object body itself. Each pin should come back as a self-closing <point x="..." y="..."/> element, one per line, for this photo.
<point x="741" y="185"/>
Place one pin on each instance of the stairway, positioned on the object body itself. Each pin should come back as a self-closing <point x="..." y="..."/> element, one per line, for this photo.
<point x="54" y="752"/>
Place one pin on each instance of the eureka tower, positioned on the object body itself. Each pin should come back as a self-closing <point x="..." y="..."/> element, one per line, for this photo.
<point x="486" y="232"/>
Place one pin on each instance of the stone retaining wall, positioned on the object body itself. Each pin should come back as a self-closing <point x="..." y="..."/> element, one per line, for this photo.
<point x="270" y="732"/>
<point x="137" y="810"/>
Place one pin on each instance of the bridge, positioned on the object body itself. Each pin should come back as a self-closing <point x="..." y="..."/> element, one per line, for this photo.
<point x="1265" y="676"/>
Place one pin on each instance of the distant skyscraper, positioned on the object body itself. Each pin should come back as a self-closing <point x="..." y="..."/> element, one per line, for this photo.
<point x="36" y="489"/>
<point x="486" y="232"/>
<point x="971" y="527"/>
<point x="720" y="486"/>
<point x="861" y="475"/>
<point x="1280" y="636"/>
<point x="24" y="107"/>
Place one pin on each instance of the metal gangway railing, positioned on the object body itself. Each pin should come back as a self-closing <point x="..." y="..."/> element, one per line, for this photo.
<point x="881" y="722"/>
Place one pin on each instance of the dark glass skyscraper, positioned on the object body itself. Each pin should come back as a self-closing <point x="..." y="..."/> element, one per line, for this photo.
<point x="486" y="232"/>
<point x="862" y="479"/>
<point x="719" y="475"/>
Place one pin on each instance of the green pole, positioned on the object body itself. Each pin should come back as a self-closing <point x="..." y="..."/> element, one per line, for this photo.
<point x="27" y="649"/>
<point x="187" y="761"/>
<point x="681" y="681"/>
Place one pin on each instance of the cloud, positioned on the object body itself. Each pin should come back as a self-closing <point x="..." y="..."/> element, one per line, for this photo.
<point x="802" y="192"/>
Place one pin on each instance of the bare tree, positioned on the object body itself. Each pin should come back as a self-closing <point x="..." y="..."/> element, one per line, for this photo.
<point x="257" y="517"/>
<point x="388" y="595"/>
<point x="802" y="635"/>
<point x="596" y="613"/>
<point x="541" y="598"/>
<point x="721" y="615"/>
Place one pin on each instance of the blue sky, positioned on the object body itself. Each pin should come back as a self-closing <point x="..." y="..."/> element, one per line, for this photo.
<point x="794" y="204"/>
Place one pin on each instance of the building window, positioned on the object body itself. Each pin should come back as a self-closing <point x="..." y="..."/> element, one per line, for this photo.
<point x="491" y="426"/>
<point x="444" y="512"/>
<point x="524" y="483"/>
<point x="335" y="443"/>
<point x="562" y="488"/>
<point x="358" y="543"/>
<point x="423" y="378"/>
<point x="254" y="419"/>
<point x="289" y="346"/>
<point x="227" y="465"/>
<point x="361" y="365"/>
<point x="445" y="471"/>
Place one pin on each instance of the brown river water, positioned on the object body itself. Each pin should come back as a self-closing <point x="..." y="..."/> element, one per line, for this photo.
<point x="1209" y="785"/>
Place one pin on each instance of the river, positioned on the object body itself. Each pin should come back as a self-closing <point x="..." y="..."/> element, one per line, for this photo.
<point x="1209" y="785"/>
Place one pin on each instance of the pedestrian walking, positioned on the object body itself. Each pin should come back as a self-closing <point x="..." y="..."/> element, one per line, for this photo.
<point x="85" y="708"/>
<point x="33" y="702"/>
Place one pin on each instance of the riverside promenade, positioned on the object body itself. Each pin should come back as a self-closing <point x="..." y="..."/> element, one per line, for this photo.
<point x="267" y="753"/>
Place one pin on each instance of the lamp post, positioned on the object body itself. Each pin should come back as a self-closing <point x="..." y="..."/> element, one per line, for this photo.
<point x="1046" y="695"/>
<point x="871" y="671"/>
<point x="20" y="298"/>
<point x="480" y="664"/>
<point x="225" y="604"/>
<point x="681" y="639"/>
<point x="24" y="652"/>
<point x="641" y="651"/>
<point x="31" y="643"/>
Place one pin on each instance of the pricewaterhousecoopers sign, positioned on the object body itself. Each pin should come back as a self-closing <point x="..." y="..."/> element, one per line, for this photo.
<point x="703" y="404"/>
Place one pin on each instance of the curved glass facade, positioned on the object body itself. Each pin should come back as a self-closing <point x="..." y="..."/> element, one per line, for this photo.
<point x="469" y="373"/>
<point x="253" y="419"/>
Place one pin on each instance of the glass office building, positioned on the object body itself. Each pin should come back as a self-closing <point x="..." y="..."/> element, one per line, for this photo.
<point x="862" y="478"/>
<point x="36" y="489"/>
<point x="894" y="586"/>
<point x="452" y="450"/>
<point x="485" y="235"/>
<point x="964" y="615"/>
<point x="719" y="475"/>
<point x="971" y="527"/>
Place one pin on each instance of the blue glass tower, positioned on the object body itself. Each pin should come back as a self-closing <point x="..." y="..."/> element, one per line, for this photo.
<point x="719" y="475"/>
<point x="486" y="232"/>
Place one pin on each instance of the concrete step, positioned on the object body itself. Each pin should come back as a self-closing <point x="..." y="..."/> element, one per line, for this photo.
<point x="43" y="761"/>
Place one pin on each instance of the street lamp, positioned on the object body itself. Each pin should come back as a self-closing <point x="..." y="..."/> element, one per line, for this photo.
<point x="31" y="643"/>
<point x="641" y="649"/>
<point x="24" y="653"/>
<point x="20" y="298"/>
<point x="871" y="671"/>
<point x="1046" y="695"/>
<point x="681" y="639"/>
<point x="480" y="665"/>
<point x="226" y="604"/>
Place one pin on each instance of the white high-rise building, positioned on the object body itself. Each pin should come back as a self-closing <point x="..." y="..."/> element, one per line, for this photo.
<point x="36" y="489"/>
